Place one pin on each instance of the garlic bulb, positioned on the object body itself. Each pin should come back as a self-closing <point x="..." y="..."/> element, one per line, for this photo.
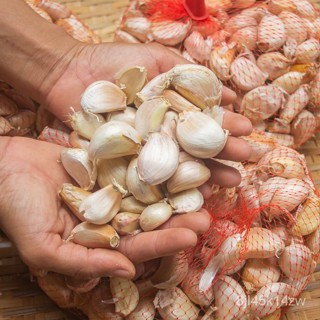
<point x="158" y="159"/>
<point x="200" y="135"/>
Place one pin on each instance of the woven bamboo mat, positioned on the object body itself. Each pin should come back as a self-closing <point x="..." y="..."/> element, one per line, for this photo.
<point x="21" y="298"/>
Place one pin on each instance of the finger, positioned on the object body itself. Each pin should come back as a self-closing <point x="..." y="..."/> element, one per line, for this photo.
<point x="236" y="149"/>
<point x="154" y="244"/>
<point x="237" y="124"/>
<point x="199" y="222"/>
<point x="228" y="96"/>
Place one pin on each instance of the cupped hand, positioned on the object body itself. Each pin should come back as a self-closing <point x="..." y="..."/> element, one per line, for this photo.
<point x="36" y="221"/>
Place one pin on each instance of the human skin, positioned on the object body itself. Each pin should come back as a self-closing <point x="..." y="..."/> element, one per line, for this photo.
<point x="41" y="61"/>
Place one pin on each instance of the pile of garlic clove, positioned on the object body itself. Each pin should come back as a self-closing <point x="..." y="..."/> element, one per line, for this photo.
<point x="138" y="156"/>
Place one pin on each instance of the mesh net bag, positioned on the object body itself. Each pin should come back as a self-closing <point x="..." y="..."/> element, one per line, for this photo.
<point x="267" y="51"/>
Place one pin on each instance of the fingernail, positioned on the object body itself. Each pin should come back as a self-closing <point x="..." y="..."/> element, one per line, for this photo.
<point x="122" y="274"/>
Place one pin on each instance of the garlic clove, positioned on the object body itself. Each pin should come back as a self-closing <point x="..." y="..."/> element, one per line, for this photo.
<point x="131" y="204"/>
<point x="131" y="81"/>
<point x="145" y="310"/>
<point x="76" y="141"/>
<point x="216" y="113"/>
<point x="103" y="96"/>
<point x="139" y="27"/>
<point x="101" y="206"/>
<point x="158" y="159"/>
<point x="93" y="236"/>
<point x="126" y="223"/>
<point x="200" y="135"/>
<point x="114" y="139"/>
<point x="78" y="165"/>
<point x="186" y="201"/>
<point x="313" y="242"/>
<point x="81" y="285"/>
<point x="177" y="102"/>
<point x="127" y="115"/>
<point x="169" y="124"/>
<point x="154" y="216"/>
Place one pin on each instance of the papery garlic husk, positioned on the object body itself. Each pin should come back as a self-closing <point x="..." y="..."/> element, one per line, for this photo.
<point x="85" y="123"/>
<point x="169" y="124"/>
<point x="177" y="102"/>
<point x="94" y="236"/>
<point x="259" y="272"/>
<point x="131" y="204"/>
<point x="312" y="241"/>
<point x="173" y="304"/>
<point x="154" y="216"/>
<point x="101" y="206"/>
<point x="127" y="115"/>
<point x="110" y="170"/>
<point x="307" y="217"/>
<point x="216" y="113"/>
<point x="230" y="298"/>
<point x="278" y="194"/>
<point x="131" y="81"/>
<point x="271" y="33"/>
<point x="220" y="61"/>
<point x="139" y="27"/>
<point x="308" y="51"/>
<point x="186" y="201"/>
<point x="114" y="139"/>
<point x="141" y="191"/>
<point x="150" y="115"/>
<point x="158" y="159"/>
<point x="296" y="261"/>
<point x="171" y="271"/>
<point x="197" y="84"/>
<point x="278" y="293"/>
<point x="126" y="223"/>
<point x="78" y="165"/>
<point x="72" y="196"/>
<point x="200" y="135"/>
<point x="103" y="96"/>
<point x="275" y="64"/>
<point x="262" y="102"/>
<point x="76" y="141"/>
<point x="189" y="174"/>
<point x="246" y="75"/>
<point x="170" y="32"/>
<point x="125" y="295"/>
<point x="261" y="243"/>
<point x="145" y="310"/>
<point x="81" y="285"/>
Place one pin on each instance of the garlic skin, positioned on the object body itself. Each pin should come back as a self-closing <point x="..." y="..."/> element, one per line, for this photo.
<point x="169" y="124"/>
<point x="101" y="206"/>
<point x="127" y="115"/>
<point x="189" y="174"/>
<point x="154" y="216"/>
<point x="114" y="139"/>
<point x="200" y="135"/>
<point x="103" y="96"/>
<point x="158" y="159"/>
<point x="78" y="165"/>
<point x="186" y="201"/>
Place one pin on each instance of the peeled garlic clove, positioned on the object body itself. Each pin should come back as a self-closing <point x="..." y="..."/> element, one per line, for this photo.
<point x="186" y="201"/>
<point x="85" y="123"/>
<point x="72" y="196"/>
<point x="271" y="33"/>
<point x="141" y="190"/>
<point x="197" y="84"/>
<point x="127" y="115"/>
<point x="230" y="298"/>
<point x="173" y="304"/>
<point x="126" y="223"/>
<point x="308" y="51"/>
<point x="154" y="216"/>
<point x="307" y="217"/>
<point x="171" y="272"/>
<point x="177" y="102"/>
<point x="158" y="159"/>
<point x="296" y="261"/>
<point x="125" y="295"/>
<point x="131" y="204"/>
<point x="261" y="243"/>
<point x="200" y="135"/>
<point x="93" y="236"/>
<point x="145" y="310"/>
<point x="139" y="27"/>
<point x="114" y="139"/>
<point x="103" y="96"/>
<point x="189" y="174"/>
<point x="101" y="206"/>
<point x="110" y="170"/>
<point x="76" y="162"/>
<point x="131" y="81"/>
<point x="150" y="116"/>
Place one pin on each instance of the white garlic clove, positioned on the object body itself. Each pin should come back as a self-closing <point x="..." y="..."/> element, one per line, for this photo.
<point x="169" y="124"/>
<point x="216" y="113"/>
<point x="158" y="159"/>
<point x="76" y="141"/>
<point x="103" y="96"/>
<point x="131" y="204"/>
<point x="177" y="102"/>
<point x="139" y="27"/>
<point x="145" y="310"/>
<point x="186" y="201"/>
<point x="114" y="139"/>
<point x="76" y="162"/>
<point x="127" y="115"/>
<point x="126" y="223"/>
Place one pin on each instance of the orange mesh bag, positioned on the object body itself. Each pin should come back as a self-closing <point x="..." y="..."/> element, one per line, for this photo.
<point x="267" y="51"/>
